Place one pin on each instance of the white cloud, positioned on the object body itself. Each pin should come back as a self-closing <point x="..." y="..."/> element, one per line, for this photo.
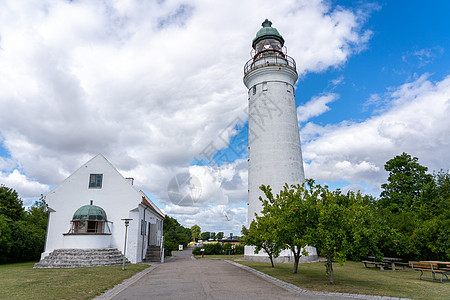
<point x="315" y="107"/>
<point x="29" y="190"/>
<point x="216" y="218"/>
<point x="416" y="121"/>
<point x="149" y="84"/>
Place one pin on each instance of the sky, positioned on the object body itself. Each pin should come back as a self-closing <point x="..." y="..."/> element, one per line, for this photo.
<point x="156" y="87"/>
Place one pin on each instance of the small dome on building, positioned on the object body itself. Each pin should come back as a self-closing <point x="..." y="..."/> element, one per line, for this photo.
<point x="267" y="32"/>
<point x="89" y="213"/>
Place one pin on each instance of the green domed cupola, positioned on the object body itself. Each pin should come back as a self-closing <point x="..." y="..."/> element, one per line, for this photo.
<point x="89" y="213"/>
<point x="267" y="32"/>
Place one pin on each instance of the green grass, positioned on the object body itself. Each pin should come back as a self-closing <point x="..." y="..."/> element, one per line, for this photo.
<point x="21" y="281"/>
<point x="353" y="278"/>
<point x="229" y="257"/>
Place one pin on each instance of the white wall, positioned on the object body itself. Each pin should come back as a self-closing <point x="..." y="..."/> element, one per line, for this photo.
<point x="117" y="197"/>
<point x="274" y="153"/>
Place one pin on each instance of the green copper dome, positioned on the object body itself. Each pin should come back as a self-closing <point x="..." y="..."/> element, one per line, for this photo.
<point x="89" y="213"/>
<point x="267" y="32"/>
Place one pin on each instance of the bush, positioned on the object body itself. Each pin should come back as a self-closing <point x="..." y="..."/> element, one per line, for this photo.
<point x="210" y="249"/>
<point x="239" y="250"/>
<point x="227" y="247"/>
<point x="217" y="249"/>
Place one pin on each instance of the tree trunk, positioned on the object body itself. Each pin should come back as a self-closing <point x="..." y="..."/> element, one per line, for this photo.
<point x="330" y="266"/>
<point x="296" y="259"/>
<point x="270" y="253"/>
<point x="271" y="260"/>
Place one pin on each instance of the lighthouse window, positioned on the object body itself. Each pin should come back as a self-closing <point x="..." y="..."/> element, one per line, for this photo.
<point x="288" y="88"/>
<point x="254" y="89"/>
<point x="95" y="181"/>
<point x="264" y="86"/>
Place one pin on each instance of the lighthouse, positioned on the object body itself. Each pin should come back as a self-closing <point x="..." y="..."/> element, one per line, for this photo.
<point x="274" y="151"/>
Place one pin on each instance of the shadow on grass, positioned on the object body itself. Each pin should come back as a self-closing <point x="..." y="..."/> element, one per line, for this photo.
<point x="353" y="278"/>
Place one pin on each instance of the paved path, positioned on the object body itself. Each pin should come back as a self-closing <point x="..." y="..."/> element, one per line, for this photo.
<point x="182" y="277"/>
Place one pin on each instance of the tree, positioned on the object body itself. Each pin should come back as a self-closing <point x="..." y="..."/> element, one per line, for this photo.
<point x="206" y="235"/>
<point x="429" y="238"/>
<point x="260" y="234"/>
<point x="22" y="233"/>
<point x="406" y="180"/>
<point x="293" y="210"/>
<point x="175" y="234"/>
<point x="196" y="231"/>
<point x="11" y="204"/>
<point x="219" y="235"/>
<point x="5" y="239"/>
<point x="37" y="216"/>
<point x="337" y="215"/>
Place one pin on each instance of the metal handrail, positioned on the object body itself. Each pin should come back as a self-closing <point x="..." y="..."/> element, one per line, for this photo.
<point x="269" y="60"/>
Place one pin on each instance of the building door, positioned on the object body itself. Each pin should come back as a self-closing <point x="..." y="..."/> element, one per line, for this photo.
<point x="149" y="234"/>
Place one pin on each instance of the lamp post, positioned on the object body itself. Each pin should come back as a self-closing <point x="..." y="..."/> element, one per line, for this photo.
<point x="127" y="222"/>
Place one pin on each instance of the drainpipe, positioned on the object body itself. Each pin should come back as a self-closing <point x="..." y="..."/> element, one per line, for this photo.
<point x="145" y="228"/>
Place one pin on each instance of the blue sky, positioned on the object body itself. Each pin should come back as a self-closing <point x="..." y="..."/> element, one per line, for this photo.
<point x="153" y="86"/>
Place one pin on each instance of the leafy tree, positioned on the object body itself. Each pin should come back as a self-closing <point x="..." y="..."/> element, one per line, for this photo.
<point x="337" y="215"/>
<point x="260" y="234"/>
<point x="371" y="232"/>
<point x="175" y="234"/>
<point x="27" y="242"/>
<point x="206" y="235"/>
<point x="11" y="204"/>
<point x="196" y="231"/>
<point x="293" y="209"/>
<point x="36" y="215"/>
<point x="219" y="235"/>
<point x="406" y="180"/>
<point x="5" y="239"/>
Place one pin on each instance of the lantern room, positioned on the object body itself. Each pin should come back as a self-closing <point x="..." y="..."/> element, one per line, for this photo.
<point x="268" y="41"/>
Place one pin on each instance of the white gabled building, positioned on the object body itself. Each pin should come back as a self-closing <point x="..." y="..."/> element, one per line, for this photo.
<point x="86" y="212"/>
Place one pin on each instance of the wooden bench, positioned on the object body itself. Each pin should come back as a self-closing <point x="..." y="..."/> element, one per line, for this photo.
<point x="435" y="267"/>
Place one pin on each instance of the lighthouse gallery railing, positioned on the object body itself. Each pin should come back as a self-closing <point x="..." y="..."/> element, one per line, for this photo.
<point x="269" y="60"/>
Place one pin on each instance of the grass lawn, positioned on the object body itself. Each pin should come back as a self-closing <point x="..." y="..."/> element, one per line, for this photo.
<point x="21" y="281"/>
<point x="229" y="257"/>
<point x="353" y="278"/>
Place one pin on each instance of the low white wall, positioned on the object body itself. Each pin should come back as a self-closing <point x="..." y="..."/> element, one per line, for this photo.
<point x="86" y="241"/>
<point x="286" y="256"/>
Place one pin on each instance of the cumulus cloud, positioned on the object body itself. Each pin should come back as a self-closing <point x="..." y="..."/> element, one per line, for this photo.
<point x="149" y="84"/>
<point x="415" y="121"/>
<point x="29" y="190"/>
<point x="215" y="218"/>
<point x="315" y="107"/>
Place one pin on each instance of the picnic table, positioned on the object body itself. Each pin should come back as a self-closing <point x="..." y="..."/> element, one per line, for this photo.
<point x="387" y="262"/>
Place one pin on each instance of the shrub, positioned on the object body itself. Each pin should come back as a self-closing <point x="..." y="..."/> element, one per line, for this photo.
<point x="239" y="249"/>
<point x="210" y="249"/>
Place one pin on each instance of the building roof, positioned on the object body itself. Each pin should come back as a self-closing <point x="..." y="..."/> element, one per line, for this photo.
<point x="89" y="213"/>
<point x="267" y="32"/>
<point x="146" y="200"/>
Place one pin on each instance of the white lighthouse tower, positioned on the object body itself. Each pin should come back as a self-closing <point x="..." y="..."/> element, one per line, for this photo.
<point x="274" y="152"/>
<point x="275" y="156"/>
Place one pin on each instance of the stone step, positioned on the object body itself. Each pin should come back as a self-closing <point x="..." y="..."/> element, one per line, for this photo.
<point x="153" y="254"/>
<point x="73" y="258"/>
